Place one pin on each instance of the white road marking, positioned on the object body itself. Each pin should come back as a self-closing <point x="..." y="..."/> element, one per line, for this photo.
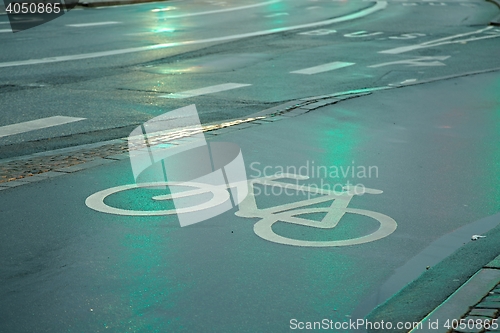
<point x="156" y="31"/>
<point x="206" y="90"/>
<point x="408" y="36"/>
<point x="36" y="124"/>
<point x="224" y="10"/>
<point x="378" y="6"/>
<point x="277" y="14"/>
<point x="441" y="41"/>
<point x="408" y="81"/>
<point x="323" y="68"/>
<point x="423" y="1"/>
<point x="82" y="25"/>
<point x="166" y="9"/>
<point x="421" y="61"/>
<point x="362" y="34"/>
<point x="114" y="6"/>
<point x="5" y="30"/>
<point x="319" y="32"/>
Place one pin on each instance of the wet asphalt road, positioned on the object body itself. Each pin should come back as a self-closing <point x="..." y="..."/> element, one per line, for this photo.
<point x="117" y="91"/>
<point x="68" y="268"/>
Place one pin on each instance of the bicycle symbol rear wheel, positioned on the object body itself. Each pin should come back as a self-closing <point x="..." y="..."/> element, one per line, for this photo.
<point x="219" y="197"/>
<point x="263" y="228"/>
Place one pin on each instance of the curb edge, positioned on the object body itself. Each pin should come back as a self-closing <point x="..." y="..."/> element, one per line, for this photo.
<point x="432" y="288"/>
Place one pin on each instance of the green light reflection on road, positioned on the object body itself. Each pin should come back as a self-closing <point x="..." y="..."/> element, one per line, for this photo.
<point x="338" y="144"/>
<point x="276" y="9"/>
<point x="329" y="268"/>
<point x="327" y="272"/>
<point x="492" y="164"/>
<point x="149" y="292"/>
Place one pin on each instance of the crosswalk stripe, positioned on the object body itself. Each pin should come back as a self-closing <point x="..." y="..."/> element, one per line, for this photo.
<point x="323" y="68"/>
<point x="206" y="90"/>
<point x="36" y="124"/>
<point x="81" y="25"/>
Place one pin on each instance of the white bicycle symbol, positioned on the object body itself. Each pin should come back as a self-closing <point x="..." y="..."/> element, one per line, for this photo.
<point x="269" y="216"/>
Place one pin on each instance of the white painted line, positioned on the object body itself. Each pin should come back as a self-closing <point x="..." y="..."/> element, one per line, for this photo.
<point x="82" y="25"/>
<point x="421" y="61"/>
<point x="5" y="30"/>
<point x="36" y="124"/>
<point x="277" y="14"/>
<point x="408" y="81"/>
<point x="319" y="32"/>
<point x="378" y="6"/>
<point x="323" y="68"/>
<point x="206" y="90"/>
<point x="459" y="35"/>
<point x="223" y="10"/>
<point x="164" y="9"/>
<point x="362" y="33"/>
<point x="140" y="33"/>
<point x="441" y="41"/>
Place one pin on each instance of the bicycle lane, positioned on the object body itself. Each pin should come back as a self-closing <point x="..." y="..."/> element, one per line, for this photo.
<point x="430" y="149"/>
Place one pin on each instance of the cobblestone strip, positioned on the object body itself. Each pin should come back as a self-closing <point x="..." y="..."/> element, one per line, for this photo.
<point x="24" y="170"/>
<point x="486" y="313"/>
<point x="21" y="169"/>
